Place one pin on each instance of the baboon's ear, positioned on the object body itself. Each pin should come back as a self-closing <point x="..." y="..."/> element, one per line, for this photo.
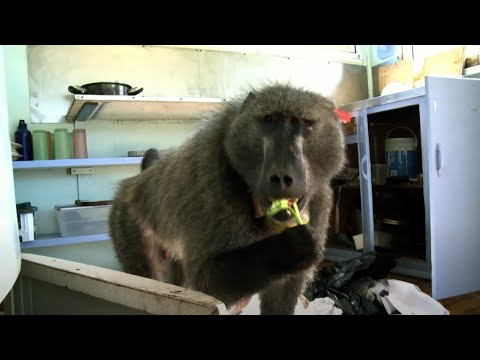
<point x="249" y="98"/>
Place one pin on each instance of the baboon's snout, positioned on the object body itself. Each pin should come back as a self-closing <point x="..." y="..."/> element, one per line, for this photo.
<point x="283" y="172"/>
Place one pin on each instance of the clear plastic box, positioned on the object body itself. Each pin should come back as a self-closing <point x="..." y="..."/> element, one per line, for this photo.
<point x="76" y="220"/>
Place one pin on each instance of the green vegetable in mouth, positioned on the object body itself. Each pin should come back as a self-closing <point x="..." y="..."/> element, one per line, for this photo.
<point x="284" y="204"/>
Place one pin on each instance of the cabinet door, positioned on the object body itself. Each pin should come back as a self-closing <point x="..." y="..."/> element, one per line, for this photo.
<point x="365" y="181"/>
<point x="454" y="172"/>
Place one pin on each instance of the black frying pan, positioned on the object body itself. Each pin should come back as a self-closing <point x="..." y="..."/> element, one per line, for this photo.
<point x="105" y="88"/>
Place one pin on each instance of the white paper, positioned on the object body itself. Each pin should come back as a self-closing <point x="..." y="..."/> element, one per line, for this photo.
<point x="320" y="306"/>
<point x="408" y="299"/>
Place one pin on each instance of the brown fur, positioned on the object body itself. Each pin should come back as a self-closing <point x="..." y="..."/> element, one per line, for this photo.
<point x="196" y="203"/>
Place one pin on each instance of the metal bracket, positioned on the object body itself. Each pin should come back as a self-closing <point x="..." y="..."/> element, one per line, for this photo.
<point x="82" y="171"/>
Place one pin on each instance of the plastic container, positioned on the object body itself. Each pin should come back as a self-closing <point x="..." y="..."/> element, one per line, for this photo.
<point x="51" y="147"/>
<point x="379" y="173"/>
<point x="40" y="145"/>
<point x="24" y="137"/>
<point x="76" y="220"/>
<point x="27" y="223"/>
<point x="401" y="155"/>
<point x="381" y="239"/>
<point x="62" y="144"/>
<point x="80" y="144"/>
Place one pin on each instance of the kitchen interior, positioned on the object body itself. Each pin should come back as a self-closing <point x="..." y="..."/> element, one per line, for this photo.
<point x="72" y="141"/>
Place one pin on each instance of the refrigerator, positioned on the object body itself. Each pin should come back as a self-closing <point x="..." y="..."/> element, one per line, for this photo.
<point x="10" y="260"/>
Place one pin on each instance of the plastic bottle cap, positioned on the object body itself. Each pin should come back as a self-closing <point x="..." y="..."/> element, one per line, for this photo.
<point x="22" y="124"/>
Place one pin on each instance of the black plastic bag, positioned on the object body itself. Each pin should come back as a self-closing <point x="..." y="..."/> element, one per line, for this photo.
<point x="347" y="283"/>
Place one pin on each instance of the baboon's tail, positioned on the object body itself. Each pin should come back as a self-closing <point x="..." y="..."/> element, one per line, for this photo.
<point x="151" y="155"/>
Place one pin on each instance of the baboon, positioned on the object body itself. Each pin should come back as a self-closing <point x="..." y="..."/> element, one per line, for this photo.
<point x="195" y="217"/>
<point x="149" y="157"/>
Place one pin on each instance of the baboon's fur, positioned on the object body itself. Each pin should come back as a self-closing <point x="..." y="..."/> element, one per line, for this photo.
<point x="188" y="219"/>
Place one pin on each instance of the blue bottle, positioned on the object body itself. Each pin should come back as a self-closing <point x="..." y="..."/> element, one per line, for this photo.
<point x="24" y="137"/>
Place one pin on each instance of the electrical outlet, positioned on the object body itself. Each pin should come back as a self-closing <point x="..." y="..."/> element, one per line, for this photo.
<point x="82" y="171"/>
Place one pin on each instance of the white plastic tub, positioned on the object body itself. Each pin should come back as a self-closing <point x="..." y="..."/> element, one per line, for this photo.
<point x="76" y="220"/>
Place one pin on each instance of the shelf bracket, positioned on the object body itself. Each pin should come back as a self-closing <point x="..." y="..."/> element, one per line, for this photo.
<point x="87" y="110"/>
<point x="82" y="171"/>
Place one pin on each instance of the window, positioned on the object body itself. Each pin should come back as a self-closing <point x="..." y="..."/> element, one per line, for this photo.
<point x="383" y="52"/>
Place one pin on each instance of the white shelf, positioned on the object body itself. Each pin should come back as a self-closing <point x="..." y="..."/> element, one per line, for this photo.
<point x="67" y="163"/>
<point x="124" y="108"/>
<point x="56" y="240"/>
<point x="472" y="72"/>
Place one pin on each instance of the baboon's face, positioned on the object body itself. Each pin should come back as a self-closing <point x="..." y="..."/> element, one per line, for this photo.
<point x="285" y="143"/>
<point x="283" y="174"/>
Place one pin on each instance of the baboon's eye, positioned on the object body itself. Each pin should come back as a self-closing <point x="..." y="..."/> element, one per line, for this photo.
<point x="268" y="118"/>
<point x="308" y="123"/>
<point x="305" y="122"/>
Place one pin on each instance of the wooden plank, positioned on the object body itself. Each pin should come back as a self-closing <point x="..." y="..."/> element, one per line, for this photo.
<point x="446" y="63"/>
<point x="124" y="108"/>
<point x="151" y="296"/>
<point x="400" y="71"/>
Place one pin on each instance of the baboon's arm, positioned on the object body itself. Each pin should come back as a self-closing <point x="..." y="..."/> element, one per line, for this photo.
<point x="236" y="273"/>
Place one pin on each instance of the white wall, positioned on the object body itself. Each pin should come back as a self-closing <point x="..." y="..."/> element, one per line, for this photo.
<point x="325" y="52"/>
<point x="163" y="71"/>
<point x="37" y="92"/>
<point x="16" y="82"/>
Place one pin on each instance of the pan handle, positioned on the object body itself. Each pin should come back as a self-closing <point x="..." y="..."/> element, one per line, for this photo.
<point x="135" y="91"/>
<point x="93" y="203"/>
<point x="77" y="89"/>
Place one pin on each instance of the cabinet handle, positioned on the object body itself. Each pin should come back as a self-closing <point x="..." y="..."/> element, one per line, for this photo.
<point x="363" y="166"/>
<point x="439" y="159"/>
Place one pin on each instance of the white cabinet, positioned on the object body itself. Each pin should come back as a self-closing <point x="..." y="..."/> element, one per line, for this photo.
<point x="445" y="115"/>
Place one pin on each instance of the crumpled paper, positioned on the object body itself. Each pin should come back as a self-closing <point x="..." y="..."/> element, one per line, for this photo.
<point x="406" y="298"/>
<point x="320" y="306"/>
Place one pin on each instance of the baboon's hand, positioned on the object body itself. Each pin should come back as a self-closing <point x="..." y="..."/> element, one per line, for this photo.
<point x="295" y="250"/>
